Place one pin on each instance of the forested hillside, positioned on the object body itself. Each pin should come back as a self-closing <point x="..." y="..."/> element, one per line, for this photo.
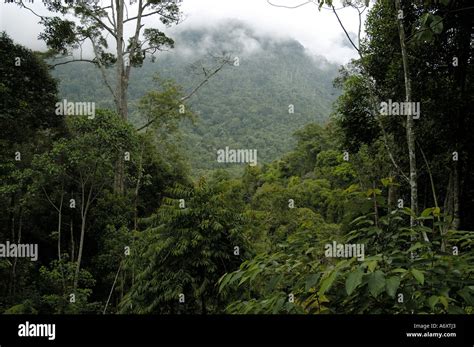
<point x="244" y="106"/>
<point x="363" y="206"/>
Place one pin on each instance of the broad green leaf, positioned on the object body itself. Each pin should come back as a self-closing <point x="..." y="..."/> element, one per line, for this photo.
<point x="444" y="301"/>
<point x="427" y="212"/>
<point x="392" y="285"/>
<point x="372" y="265"/>
<point x="352" y="188"/>
<point x="236" y="276"/>
<point x="225" y="279"/>
<point x="353" y="280"/>
<point x="327" y="283"/>
<point x="273" y="282"/>
<point x="386" y="181"/>
<point x="376" y="283"/>
<point x="278" y="305"/>
<point x="408" y="211"/>
<point x="437" y="24"/>
<point x="425" y="17"/>
<point x="416" y="246"/>
<point x="359" y="219"/>
<point x="418" y="275"/>
<point x="311" y="281"/>
<point x="466" y="294"/>
<point x="426" y="35"/>
<point x="432" y="301"/>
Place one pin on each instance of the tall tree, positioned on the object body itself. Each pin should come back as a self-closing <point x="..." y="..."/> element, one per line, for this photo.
<point x="98" y="25"/>
<point x="409" y="122"/>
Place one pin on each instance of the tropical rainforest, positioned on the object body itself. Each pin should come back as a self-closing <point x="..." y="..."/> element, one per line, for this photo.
<point x="133" y="213"/>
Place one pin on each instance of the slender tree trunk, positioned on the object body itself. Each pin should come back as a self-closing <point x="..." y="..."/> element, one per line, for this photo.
<point x="456" y="219"/>
<point x="119" y="176"/>
<point x="464" y="39"/>
<point x="392" y="195"/>
<point x="11" y="216"/>
<point x="409" y="123"/>
<point x="84" y="210"/>
<point x="60" y="215"/>
<point x="79" y="253"/>
<point x="12" y="276"/>
<point x="72" y="240"/>
<point x="376" y="210"/>
<point x="119" y="88"/>
<point x="447" y="198"/>
<point x="121" y="96"/>
<point x="446" y="211"/>
<point x="20" y="222"/>
<point x="137" y="188"/>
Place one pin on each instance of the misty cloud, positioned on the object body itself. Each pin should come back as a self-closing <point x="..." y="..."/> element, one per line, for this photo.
<point x="318" y="31"/>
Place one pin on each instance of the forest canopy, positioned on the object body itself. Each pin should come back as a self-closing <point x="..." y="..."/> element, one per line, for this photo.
<point x="359" y="203"/>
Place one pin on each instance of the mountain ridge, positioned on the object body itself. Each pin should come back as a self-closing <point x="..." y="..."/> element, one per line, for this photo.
<point x="276" y="89"/>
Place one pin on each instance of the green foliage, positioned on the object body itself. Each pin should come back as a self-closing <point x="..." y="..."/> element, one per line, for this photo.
<point x="255" y="243"/>
<point x="243" y="106"/>
<point x="184" y="251"/>
<point x="28" y="94"/>
<point x="57" y="282"/>
<point x="352" y="112"/>
<point x="373" y="285"/>
<point x="163" y="109"/>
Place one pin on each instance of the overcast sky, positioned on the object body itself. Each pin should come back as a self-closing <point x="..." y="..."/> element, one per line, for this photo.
<point x="318" y="31"/>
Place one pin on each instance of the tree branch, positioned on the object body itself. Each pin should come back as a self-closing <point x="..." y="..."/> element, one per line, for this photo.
<point x="47" y="197"/>
<point x="113" y="14"/>
<point x="74" y="61"/>
<point x="22" y="4"/>
<point x="102" y="70"/>
<point x="345" y="31"/>
<point x="160" y="12"/>
<point x="133" y="47"/>
<point x="147" y="124"/>
<point x="290" y="7"/>
<point x="102" y="24"/>
<point x="206" y="79"/>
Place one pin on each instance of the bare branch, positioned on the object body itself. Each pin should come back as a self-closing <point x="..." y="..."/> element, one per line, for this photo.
<point x="224" y="62"/>
<point x="290" y="7"/>
<point x="112" y="289"/>
<point x="345" y="31"/>
<point x="47" y="197"/>
<point x="102" y="69"/>
<point x="102" y="24"/>
<point x="113" y="14"/>
<point x="149" y="14"/>
<point x="22" y="4"/>
<point x="138" y="27"/>
<point x="207" y="76"/>
<point x="147" y="124"/>
<point x="360" y="22"/>
<point x="74" y="61"/>
<point x="108" y="17"/>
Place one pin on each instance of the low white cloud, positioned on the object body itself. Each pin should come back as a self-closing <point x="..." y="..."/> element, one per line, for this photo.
<point x="317" y="30"/>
